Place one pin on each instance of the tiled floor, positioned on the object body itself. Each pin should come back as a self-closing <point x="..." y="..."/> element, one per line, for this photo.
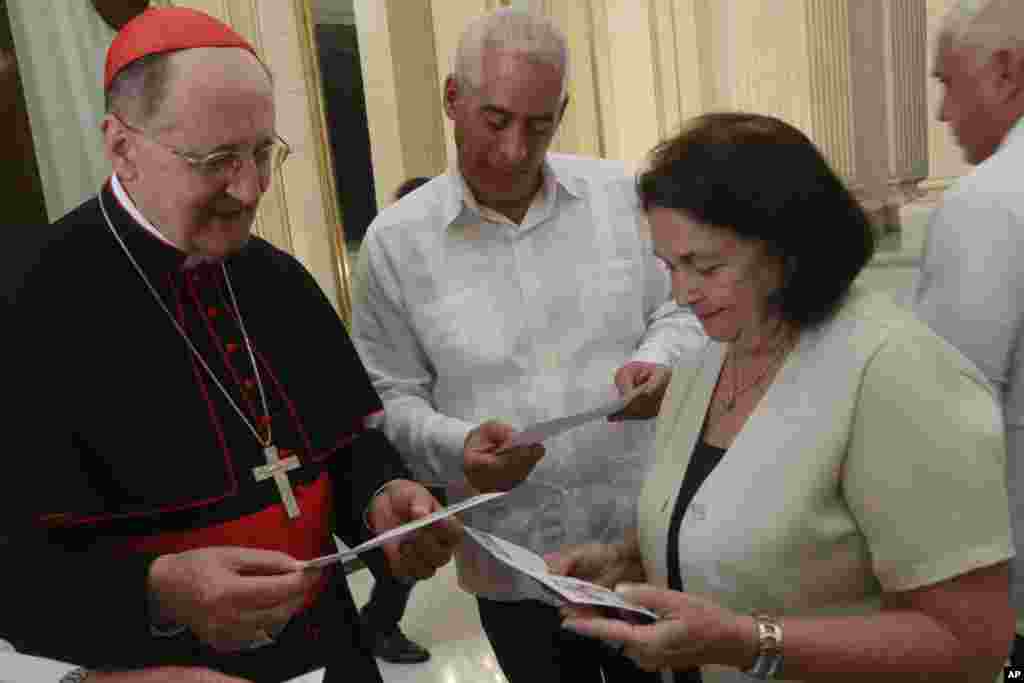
<point x="443" y="618"/>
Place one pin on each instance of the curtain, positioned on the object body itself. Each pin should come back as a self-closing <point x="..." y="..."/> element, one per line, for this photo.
<point x="61" y="47"/>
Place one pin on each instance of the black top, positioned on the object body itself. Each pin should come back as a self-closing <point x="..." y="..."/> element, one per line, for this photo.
<point x="121" y="435"/>
<point x="704" y="459"/>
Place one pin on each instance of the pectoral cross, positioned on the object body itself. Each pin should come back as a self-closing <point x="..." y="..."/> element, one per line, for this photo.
<point x="278" y="469"/>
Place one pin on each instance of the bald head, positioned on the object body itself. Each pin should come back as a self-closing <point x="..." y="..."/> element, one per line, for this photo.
<point x="144" y="91"/>
<point x="212" y="80"/>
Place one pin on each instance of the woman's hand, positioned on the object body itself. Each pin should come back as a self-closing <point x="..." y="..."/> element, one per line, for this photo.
<point x="691" y="631"/>
<point x="605" y="564"/>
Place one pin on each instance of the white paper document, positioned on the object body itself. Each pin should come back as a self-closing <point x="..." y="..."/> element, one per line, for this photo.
<point x="541" y="431"/>
<point x="347" y="555"/>
<point x="517" y="573"/>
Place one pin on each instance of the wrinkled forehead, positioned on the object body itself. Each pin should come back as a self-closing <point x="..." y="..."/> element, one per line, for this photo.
<point x="217" y="86"/>
<point x="219" y="67"/>
<point x="519" y="83"/>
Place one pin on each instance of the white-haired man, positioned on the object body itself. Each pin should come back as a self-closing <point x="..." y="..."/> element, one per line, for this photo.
<point x="520" y="285"/>
<point x="971" y="288"/>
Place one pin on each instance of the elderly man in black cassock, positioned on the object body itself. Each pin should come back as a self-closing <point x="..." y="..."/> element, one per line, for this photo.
<point x="190" y="415"/>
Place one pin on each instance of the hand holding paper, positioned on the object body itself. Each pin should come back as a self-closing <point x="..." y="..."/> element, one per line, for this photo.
<point x="642" y="387"/>
<point x="418" y="555"/>
<point x="541" y="431"/>
<point x="509" y="560"/>
<point x="492" y="463"/>
<point x="690" y="631"/>
<point x="398" y="532"/>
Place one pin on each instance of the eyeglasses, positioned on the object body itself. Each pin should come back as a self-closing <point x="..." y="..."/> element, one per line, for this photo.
<point x="226" y="164"/>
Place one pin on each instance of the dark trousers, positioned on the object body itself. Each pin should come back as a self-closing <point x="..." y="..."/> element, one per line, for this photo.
<point x="1017" y="653"/>
<point x="387" y="602"/>
<point x="532" y="647"/>
<point x="389" y="596"/>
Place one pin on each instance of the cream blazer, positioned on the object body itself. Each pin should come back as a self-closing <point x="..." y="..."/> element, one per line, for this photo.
<point x="874" y="462"/>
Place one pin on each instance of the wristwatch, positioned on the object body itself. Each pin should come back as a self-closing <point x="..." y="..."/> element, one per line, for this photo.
<point x="78" y="675"/>
<point x="769" y="648"/>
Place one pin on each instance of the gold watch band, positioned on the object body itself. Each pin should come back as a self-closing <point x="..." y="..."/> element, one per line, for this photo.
<point x="769" y="648"/>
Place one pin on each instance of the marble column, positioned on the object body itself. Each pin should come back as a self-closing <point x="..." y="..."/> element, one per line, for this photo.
<point x="907" y="96"/>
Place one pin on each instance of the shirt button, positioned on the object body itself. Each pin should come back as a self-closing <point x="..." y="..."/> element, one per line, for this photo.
<point x="232" y="347"/>
<point x="212" y="311"/>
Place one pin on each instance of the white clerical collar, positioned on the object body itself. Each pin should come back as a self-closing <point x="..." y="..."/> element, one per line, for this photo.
<point x="191" y="261"/>
<point x="133" y="211"/>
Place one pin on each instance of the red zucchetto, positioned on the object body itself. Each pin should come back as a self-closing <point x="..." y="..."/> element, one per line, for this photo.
<point x="163" y="29"/>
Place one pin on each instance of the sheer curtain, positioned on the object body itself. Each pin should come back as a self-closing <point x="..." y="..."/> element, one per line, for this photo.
<point x="61" y="45"/>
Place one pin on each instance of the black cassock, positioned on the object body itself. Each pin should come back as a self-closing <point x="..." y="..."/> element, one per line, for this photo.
<point x="120" y="446"/>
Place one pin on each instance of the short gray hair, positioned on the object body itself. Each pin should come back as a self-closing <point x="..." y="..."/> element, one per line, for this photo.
<point x="138" y="90"/>
<point x="510" y="30"/>
<point x="985" y="26"/>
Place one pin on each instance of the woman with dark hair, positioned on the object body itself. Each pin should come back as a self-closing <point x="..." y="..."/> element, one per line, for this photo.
<point x="827" y="500"/>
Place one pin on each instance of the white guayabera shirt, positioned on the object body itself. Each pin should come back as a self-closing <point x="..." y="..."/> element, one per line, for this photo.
<point x="971" y="292"/>
<point x="461" y="316"/>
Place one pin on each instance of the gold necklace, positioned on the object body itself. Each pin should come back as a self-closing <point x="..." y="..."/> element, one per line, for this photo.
<point x="730" y="403"/>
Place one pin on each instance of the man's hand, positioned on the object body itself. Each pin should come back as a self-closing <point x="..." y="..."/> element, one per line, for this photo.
<point x="229" y="597"/>
<point x="163" y="674"/>
<point x="488" y="470"/>
<point x="418" y="554"/>
<point x="643" y="385"/>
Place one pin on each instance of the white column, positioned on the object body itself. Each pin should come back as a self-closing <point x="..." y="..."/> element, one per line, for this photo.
<point x="906" y="94"/>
